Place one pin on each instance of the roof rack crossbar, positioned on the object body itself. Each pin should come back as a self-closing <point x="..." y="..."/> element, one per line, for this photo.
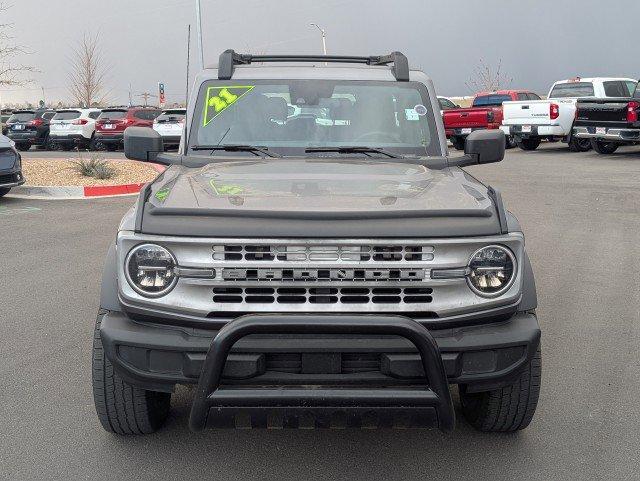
<point x="229" y="59"/>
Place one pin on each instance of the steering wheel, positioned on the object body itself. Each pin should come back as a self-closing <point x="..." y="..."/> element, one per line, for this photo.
<point x="377" y="136"/>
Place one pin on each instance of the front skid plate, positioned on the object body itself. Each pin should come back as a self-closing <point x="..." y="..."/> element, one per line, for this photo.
<point x="322" y="418"/>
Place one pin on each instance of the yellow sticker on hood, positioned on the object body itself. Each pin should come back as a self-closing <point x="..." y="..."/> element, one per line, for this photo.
<point x="220" y="98"/>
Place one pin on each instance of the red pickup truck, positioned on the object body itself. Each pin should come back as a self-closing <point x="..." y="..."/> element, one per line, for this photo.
<point x="485" y="113"/>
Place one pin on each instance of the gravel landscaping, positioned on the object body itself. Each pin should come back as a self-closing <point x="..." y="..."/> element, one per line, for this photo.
<point x="51" y="172"/>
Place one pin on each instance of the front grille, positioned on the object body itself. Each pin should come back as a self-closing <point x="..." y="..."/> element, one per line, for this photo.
<point x="323" y="253"/>
<point x="322" y="295"/>
<point x="8" y="179"/>
<point x="350" y="362"/>
<point x="316" y="276"/>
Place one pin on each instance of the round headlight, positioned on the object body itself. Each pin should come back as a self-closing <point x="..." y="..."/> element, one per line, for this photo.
<point x="150" y="270"/>
<point x="491" y="271"/>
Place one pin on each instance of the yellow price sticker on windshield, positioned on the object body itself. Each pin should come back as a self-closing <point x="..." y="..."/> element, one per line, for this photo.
<point x="220" y="98"/>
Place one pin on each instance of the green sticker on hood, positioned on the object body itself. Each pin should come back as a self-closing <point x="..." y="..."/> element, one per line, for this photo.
<point x="162" y="194"/>
<point x="226" y="189"/>
<point x="220" y="98"/>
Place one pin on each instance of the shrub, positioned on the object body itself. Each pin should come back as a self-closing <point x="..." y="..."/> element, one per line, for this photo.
<point x="94" y="167"/>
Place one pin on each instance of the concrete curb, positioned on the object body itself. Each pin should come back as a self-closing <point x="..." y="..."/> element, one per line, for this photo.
<point x="75" y="192"/>
<point x="78" y="191"/>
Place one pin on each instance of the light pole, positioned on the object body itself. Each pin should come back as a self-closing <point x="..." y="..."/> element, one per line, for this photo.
<point x="199" y="28"/>
<point x="324" y="36"/>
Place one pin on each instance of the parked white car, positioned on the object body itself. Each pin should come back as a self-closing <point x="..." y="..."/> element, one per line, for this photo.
<point x="71" y="128"/>
<point x="530" y="122"/>
<point x="170" y="125"/>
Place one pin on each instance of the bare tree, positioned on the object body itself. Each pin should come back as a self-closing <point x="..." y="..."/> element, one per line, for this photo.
<point x="488" y="79"/>
<point x="11" y="73"/>
<point x="88" y="72"/>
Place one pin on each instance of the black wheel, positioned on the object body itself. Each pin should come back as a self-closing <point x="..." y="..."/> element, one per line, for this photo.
<point x="111" y="147"/>
<point x="121" y="407"/>
<point x="4" y="191"/>
<point x="579" y="145"/>
<point x="23" y="146"/>
<point x="510" y="143"/>
<point x="603" y="147"/>
<point x="458" y="143"/>
<point x="528" y="144"/>
<point x="65" y="146"/>
<point x="508" y="409"/>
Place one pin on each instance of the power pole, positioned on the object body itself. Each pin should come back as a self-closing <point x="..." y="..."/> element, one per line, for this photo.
<point x="146" y="96"/>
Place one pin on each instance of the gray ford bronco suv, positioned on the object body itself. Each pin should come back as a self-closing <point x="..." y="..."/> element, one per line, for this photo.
<point x="312" y="257"/>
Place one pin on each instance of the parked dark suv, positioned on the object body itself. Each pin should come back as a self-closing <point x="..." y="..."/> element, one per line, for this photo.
<point x="10" y="166"/>
<point x="4" y="116"/>
<point x="30" y="127"/>
<point x="112" y="123"/>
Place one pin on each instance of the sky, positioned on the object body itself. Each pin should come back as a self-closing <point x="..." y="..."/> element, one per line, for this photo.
<point x="145" y="41"/>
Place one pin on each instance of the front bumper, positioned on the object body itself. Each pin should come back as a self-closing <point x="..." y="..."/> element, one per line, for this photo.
<point x="536" y="131"/>
<point x="11" y="179"/>
<point x="157" y="357"/>
<point x="610" y="134"/>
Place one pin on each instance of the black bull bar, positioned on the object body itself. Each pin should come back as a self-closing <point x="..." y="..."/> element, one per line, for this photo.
<point x="429" y="404"/>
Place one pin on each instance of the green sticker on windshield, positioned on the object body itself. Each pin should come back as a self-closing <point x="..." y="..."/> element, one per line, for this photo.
<point x="220" y="98"/>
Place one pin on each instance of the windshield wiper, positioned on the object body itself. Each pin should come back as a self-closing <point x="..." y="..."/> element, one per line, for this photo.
<point x="254" y="149"/>
<point x="354" y="150"/>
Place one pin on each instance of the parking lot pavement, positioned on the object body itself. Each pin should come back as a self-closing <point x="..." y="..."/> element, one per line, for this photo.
<point x="581" y="216"/>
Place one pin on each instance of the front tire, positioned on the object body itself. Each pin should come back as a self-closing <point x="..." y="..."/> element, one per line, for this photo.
<point x="4" y="191"/>
<point x="510" y="142"/>
<point x="121" y="407"/>
<point x="602" y="147"/>
<point x="507" y="409"/>
<point x="579" y="145"/>
<point x="458" y="143"/>
<point x="23" y="146"/>
<point x="528" y="144"/>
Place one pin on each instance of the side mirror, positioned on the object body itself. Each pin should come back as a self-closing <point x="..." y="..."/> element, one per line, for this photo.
<point x="482" y="147"/>
<point x="143" y="144"/>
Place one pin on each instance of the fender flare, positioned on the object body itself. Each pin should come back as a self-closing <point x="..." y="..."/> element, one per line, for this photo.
<point x="109" y="291"/>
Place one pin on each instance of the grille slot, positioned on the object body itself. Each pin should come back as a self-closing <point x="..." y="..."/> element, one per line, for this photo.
<point x="291" y="362"/>
<point x="323" y="253"/>
<point x="322" y="295"/>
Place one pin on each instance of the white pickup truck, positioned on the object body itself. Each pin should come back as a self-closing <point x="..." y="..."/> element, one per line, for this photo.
<point x="530" y="122"/>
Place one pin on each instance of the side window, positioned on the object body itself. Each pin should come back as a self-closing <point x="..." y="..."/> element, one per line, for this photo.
<point x="533" y="96"/>
<point x="94" y="115"/>
<point x="616" y="88"/>
<point x="523" y="96"/>
<point x="631" y="86"/>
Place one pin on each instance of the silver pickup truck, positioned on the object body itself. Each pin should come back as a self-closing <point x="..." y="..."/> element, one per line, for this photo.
<point x="312" y="257"/>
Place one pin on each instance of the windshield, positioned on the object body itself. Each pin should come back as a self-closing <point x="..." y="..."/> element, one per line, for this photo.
<point x="289" y="116"/>
<point x="169" y="116"/>
<point x="572" y="89"/>
<point x="490" y="100"/>
<point x="22" y="117"/>
<point x="66" y="115"/>
<point x="112" y="114"/>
